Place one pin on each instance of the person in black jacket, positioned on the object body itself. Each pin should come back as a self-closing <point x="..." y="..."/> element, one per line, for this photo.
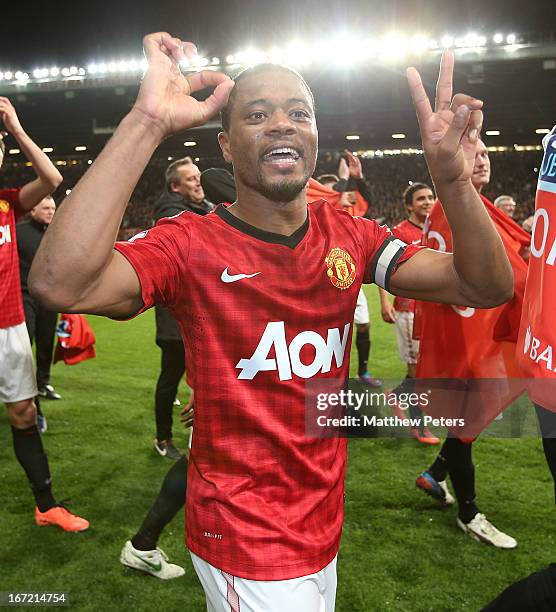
<point x="182" y="192"/>
<point x="41" y="323"/>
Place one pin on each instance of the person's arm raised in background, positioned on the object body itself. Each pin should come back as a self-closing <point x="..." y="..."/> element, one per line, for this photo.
<point x="76" y="268"/>
<point x="48" y="178"/>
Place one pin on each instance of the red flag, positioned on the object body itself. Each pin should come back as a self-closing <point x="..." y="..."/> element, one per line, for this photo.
<point x="316" y="191"/>
<point x="471" y="343"/>
<point x="76" y="340"/>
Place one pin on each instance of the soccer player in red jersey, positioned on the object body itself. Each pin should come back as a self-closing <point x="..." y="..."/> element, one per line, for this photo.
<point x="265" y="289"/>
<point x="18" y="386"/>
<point x="418" y="199"/>
<point x="537" y="334"/>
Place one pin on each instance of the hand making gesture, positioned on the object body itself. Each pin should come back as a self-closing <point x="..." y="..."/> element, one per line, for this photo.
<point x="450" y="133"/>
<point x="165" y="93"/>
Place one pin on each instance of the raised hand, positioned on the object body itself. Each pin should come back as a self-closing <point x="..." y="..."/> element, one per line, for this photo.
<point x="450" y="133"/>
<point x="9" y="117"/>
<point x="354" y="165"/>
<point x="165" y="93"/>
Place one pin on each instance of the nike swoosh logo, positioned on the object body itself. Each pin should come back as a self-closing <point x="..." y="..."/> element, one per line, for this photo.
<point x="155" y="566"/>
<point x="232" y="278"/>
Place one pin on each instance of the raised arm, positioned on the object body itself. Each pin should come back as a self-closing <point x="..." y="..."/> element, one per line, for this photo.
<point x="48" y="178"/>
<point x="76" y="268"/>
<point x="478" y="272"/>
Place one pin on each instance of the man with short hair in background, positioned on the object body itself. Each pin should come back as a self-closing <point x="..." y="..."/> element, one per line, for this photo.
<point x="182" y="192"/>
<point x="41" y="323"/>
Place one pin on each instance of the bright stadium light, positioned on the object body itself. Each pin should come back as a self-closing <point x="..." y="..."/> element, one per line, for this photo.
<point x="54" y="71"/>
<point x="215" y="61"/>
<point x="498" y="38"/>
<point x="352" y="137"/>
<point x="492" y="132"/>
<point x="170" y="158"/>
<point x="447" y="41"/>
<point x="89" y="161"/>
<point x="14" y="151"/>
<point x="81" y="148"/>
<point x="65" y="72"/>
<point x="542" y="131"/>
<point x="398" y="136"/>
<point x="73" y="70"/>
<point x="102" y="67"/>
<point x="8" y="75"/>
<point x="419" y="44"/>
<point x="433" y="44"/>
<point x="47" y="149"/>
<point x="393" y="47"/>
<point x="37" y="73"/>
<point x="189" y="143"/>
<point x="511" y="38"/>
<point x="230" y="59"/>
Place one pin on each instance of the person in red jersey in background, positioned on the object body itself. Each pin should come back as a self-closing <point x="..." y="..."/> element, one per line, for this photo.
<point x="418" y="199"/>
<point x="264" y="292"/>
<point x="537" y="334"/>
<point x="18" y="386"/>
<point x="459" y="344"/>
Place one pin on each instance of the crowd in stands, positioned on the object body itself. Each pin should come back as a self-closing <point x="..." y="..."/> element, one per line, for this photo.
<point x="513" y="173"/>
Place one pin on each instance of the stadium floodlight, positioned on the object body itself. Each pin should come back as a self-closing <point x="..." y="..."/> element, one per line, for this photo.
<point x="492" y="132"/>
<point x="112" y="67"/>
<point x="73" y="70"/>
<point x="298" y="54"/>
<point x="66" y="72"/>
<point x="447" y="41"/>
<point x="398" y="136"/>
<point x="47" y="149"/>
<point x="37" y="73"/>
<point x="1" y="76"/>
<point x="197" y="159"/>
<point x="393" y="47"/>
<point x="498" y="38"/>
<point x="190" y="143"/>
<point x="352" y="137"/>
<point x="511" y="38"/>
<point x="215" y="61"/>
<point x="433" y="44"/>
<point x="170" y="158"/>
<point x="230" y="59"/>
<point x="542" y="131"/>
<point x="8" y="75"/>
<point x="89" y="161"/>
<point x="54" y="71"/>
<point x="81" y="148"/>
<point x="102" y="67"/>
<point x="14" y="151"/>
<point x="419" y="44"/>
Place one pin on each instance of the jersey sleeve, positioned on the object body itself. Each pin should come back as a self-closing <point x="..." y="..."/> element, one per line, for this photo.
<point x="12" y="196"/>
<point x="159" y="257"/>
<point x="384" y="253"/>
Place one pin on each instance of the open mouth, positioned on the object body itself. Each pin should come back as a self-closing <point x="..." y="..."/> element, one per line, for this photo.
<point x="282" y="156"/>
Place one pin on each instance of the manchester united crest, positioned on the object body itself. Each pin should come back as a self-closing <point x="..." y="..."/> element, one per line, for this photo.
<point x="341" y="269"/>
<point x="4" y="206"/>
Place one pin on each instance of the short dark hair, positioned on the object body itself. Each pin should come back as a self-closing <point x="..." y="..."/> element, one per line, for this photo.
<point x="327" y="178"/>
<point x="254" y="70"/>
<point x="172" y="175"/>
<point x="409" y="191"/>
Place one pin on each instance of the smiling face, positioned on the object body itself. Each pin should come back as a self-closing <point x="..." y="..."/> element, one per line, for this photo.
<point x="481" y="169"/>
<point x="421" y="204"/>
<point x="271" y="135"/>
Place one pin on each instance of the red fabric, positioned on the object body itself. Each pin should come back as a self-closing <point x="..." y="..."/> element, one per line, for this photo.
<point x="11" y="305"/>
<point x="76" y="340"/>
<point x="537" y="335"/>
<point x="470" y="343"/>
<point x="264" y="500"/>
<point x="316" y="192"/>
<point x="410" y="234"/>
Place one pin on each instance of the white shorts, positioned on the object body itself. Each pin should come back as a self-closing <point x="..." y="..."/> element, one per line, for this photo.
<point x="408" y="347"/>
<point x="361" y="316"/>
<point x="17" y="375"/>
<point x="226" y="593"/>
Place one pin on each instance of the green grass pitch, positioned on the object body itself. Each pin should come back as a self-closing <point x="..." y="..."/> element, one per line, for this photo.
<point x="399" y="552"/>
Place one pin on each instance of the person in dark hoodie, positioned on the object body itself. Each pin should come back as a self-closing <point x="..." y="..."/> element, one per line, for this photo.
<point x="182" y="192"/>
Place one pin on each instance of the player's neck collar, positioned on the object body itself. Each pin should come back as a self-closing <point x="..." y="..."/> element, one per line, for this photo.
<point x="290" y="241"/>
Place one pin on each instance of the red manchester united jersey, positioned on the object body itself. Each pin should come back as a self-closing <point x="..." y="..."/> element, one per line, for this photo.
<point x="409" y="233"/>
<point x="261" y="314"/>
<point x="536" y="346"/>
<point x="11" y="306"/>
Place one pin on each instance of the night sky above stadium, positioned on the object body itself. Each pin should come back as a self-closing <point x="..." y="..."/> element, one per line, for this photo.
<point x="37" y="33"/>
